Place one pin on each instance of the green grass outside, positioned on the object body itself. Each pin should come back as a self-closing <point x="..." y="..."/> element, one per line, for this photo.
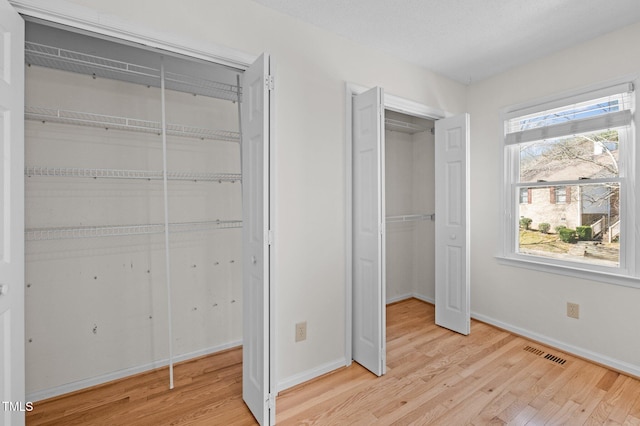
<point x="535" y="240"/>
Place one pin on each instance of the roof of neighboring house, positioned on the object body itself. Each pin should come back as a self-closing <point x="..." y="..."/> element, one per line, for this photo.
<point x="570" y="169"/>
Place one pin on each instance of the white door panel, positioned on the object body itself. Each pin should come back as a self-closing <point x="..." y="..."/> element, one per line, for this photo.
<point x="255" y="216"/>
<point x="369" y="341"/>
<point x="453" y="309"/>
<point x="12" y="360"/>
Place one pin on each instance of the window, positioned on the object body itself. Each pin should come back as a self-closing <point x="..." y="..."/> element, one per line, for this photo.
<point x="559" y="195"/>
<point x="569" y="176"/>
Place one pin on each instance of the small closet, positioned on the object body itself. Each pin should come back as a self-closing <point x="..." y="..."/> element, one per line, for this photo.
<point x="133" y="209"/>
<point x="410" y="207"/>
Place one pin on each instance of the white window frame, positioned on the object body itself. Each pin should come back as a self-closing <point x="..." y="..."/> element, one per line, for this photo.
<point x="628" y="273"/>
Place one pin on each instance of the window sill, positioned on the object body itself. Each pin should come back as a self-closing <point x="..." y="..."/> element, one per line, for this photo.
<point x="538" y="264"/>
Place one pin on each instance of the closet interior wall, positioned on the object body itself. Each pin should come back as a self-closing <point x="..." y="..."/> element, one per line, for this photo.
<point x="410" y="202"/>
<point x="96" y="272"/>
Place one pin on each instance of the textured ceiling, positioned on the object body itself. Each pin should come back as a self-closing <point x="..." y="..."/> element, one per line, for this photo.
<point x="466" y="40"/>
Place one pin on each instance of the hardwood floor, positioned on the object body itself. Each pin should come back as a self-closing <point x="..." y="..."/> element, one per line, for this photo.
<point x="207" y="391"/>
<point x="438" y="377"/>
<point x="433" y="376"/>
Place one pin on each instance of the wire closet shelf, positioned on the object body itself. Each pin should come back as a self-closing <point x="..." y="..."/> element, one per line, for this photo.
<point x="410" y="218"/>
<point x="68" y="60"/>
<point x="78" y="118"/>
<point x="403" y="126"/>
<point x="41" y="234"/>
<point x="129" y="174"/>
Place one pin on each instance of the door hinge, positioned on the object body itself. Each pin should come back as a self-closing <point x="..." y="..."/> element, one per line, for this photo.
<point x="270" y="237"/>
<point x="269" y="83"/>
<point x="271" y="401"/>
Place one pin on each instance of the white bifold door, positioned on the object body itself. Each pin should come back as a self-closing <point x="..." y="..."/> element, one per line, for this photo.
<point x="453" y="308"/>
<point x="369" y="318"/>
<point x="12" y="373"/>
<point x="255" y="239"/>
<point x="368" y="228"/>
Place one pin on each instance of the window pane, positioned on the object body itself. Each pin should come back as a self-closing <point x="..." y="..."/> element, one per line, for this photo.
<point x="524" y="195"/>
<point x="576" y="223"/>
<point x="561" y="194"/>
<point x="586" y="156"/>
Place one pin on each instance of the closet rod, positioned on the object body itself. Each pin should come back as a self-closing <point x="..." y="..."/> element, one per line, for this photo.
<point x="411" y="217"/>
<point x="403" y="126"/>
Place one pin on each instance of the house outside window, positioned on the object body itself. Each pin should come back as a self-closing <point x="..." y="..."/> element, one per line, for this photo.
<point x="570" y="164"/>
<point x="559" y="195"/>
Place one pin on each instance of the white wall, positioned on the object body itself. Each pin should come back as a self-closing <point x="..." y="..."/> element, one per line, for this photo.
<point x="399" y="190"/>
<point x="534" y="302"/>
<point x="424" y="202"/>
<point x="409" y="190"/>
<point x="312" y="67"/>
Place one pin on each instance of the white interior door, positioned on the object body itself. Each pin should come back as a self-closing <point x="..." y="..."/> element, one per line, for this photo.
<point x="12" y="380"/>
<point x="453" y="310"/>
<point x="255" y="216"/>
<point x="369" y="334"/>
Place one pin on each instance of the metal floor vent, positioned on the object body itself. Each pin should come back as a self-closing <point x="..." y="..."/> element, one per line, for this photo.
<point x="550" y="357"/>
<point x="555" y="359"/>
<point x="533" y="350"/>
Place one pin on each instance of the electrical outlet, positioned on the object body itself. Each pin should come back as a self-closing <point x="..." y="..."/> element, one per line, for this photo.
<point x="573" y="310"/>
<point x="301" y="331"/>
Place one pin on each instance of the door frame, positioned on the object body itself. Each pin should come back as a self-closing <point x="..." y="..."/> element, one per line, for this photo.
<point x="82" y="18"/>
<point x="12" y="259"/>
<point x="392" y="103"/>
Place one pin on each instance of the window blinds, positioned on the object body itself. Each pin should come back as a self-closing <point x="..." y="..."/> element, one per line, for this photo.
<point x="604" y="109"/>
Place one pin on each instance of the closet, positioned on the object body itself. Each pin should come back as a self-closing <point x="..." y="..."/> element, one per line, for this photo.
<point x="410" y="207"/>
<point x="133" y="209"/>
<point x="409" y="211"/>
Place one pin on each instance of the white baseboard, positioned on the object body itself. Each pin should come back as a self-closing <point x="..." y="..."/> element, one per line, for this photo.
<point x="424" y="298"/>
<point x="409" y="296"/>
<point x="98" y="380"/>
<point x="330" y="366"/>
<point x="305" y="376"/>
<point x="604" y="360"/>
<point x="607" y="361"/>
<point x="395" y="299"/>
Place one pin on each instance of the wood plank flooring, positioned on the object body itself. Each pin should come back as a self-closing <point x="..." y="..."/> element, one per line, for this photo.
<point x="207" y="391"/>
<point x="434" y="376"/>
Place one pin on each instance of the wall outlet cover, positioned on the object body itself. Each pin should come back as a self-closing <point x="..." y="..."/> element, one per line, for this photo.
<point x="301" y="331"/>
